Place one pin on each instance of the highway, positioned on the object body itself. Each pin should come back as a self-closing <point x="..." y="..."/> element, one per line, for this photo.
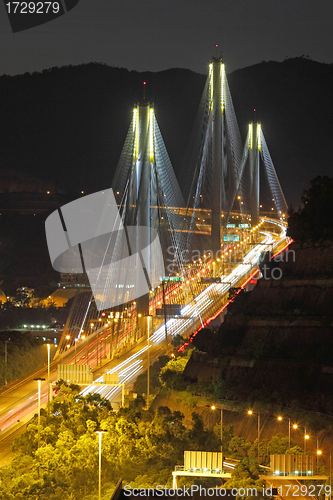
<point x="135" y="362"/>
<point x="19" y="402"/>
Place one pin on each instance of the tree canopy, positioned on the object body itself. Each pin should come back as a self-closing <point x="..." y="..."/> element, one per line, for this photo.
<point x="313" y="221"/>
<point x="137" y="444"/>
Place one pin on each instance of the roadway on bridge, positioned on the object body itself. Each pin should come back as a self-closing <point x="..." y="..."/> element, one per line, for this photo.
<point x="134" y="363"/>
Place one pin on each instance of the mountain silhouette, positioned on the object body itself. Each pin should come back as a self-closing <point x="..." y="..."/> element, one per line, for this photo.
<point x="69" y="124"/>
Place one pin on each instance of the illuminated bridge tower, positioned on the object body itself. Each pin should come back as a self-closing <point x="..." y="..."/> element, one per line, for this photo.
<point x="257" y="166"/>
<point x="254" y="145"/>
<point x="215" y="155"/>
<point x="216" y="108"/>
<point x="147" y="191"/>
<point x="139" y="190"/>
<point x="135" y="254"/>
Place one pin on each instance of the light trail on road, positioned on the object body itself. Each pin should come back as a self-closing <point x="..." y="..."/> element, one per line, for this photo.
<point x="131" y="367"/>
<point x="180" y="326"/>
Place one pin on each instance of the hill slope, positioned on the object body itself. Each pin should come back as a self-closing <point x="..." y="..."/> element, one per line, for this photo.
<point x="276" y="343"/>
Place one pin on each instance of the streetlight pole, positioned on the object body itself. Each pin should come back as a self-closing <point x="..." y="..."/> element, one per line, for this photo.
<point x="295" y="426"/>
<point x="165" y="318"/>
<point x="48" y="377"/>
<point x="250" y="412"/>
<point x="221" y="429"/>
<point x="289" y="435"/>
<point x="258" y="436"/>
<point x="75" y="340"/>
<point x="6" y="342"/>
<point x="289" y="428"/>
<point x="39" y="380"/>
<point x="100" y="464"/>
<point x="222" y="434"/>
<point x="148" y="360"/>
<point x="330" y="475"/>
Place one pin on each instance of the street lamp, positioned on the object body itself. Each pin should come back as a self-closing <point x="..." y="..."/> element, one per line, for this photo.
<point x="100" y="463"/>
<point x="295" y="426"/>
<point x="48" y="377"/>
<point x="250" y="412"/>
<point x="318" y="453"/>
<point x="213" y="407"/>
<point x="6" y="355"/>
<point x="39" y="380"/>
<point x="75" y="340"/>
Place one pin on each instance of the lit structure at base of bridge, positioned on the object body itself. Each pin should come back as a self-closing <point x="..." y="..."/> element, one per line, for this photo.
<point x="220" y="215"/>
<point x="202" y="464"/>
<point x="297" y="466"/>
<point x="282" y="468"/>
<point x="82" y="375"/>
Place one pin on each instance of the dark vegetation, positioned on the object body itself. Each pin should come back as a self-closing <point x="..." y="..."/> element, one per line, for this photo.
<point x="164" y="371"/>
<point x="142" y="447"/>
<point x="140" y="385"/>
<point x="12" y="317"/>
<point x="76" y="144"/>
<point x="276" y="343"/>
<point x="266" y="367"/>
<point x="24" y="258"/>
<point x="25" y="354"/>
<point x="314" y="220"/>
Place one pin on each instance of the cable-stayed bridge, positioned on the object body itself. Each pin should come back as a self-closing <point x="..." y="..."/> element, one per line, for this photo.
<point x="215" y="230"/>
<point x="235" y="210"/>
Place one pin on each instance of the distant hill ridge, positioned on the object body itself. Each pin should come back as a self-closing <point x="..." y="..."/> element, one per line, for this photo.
<point x="68" y="125"/>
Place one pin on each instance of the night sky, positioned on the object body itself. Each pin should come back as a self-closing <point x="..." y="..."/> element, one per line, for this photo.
<point x="159" y="34"/>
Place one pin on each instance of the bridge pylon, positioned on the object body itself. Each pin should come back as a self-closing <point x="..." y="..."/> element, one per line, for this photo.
<point x="135" y="256"/>
<point x="215" y="155"/>
<point x="254" y="138"/>
<point x="227" y="174"/>
<point x="139" y="190"/>
<point x="257" y="173"/>
<point x="149" y="197"/>
<point x="216" y="107"/>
